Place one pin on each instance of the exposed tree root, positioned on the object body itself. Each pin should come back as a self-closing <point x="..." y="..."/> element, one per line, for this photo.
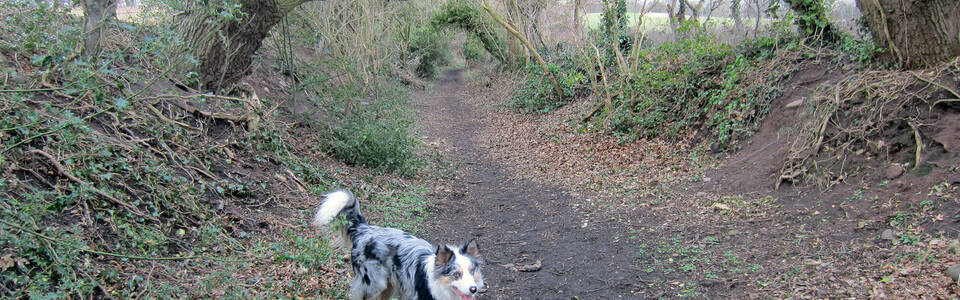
<point x="864" y="116"/>
<point x="916" y="136"/>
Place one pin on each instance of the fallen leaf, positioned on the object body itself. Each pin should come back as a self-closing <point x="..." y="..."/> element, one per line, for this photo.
<point x="720" y="206"/>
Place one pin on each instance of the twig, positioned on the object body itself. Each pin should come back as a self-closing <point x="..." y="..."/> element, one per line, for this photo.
<point x="37" y="176"/>
<point x="141" y="257"/>
<point x="204" y="172"/>
<point x="826" y="119"/>
<point x="886" y="31"/>
<point x="168" y="120"/>
<point x="303" y="187"/>
<point x="198" y="96"/>
<point x="146" y="284"/>
<point x="8" y="223"/>
<point x="944" y="101"/>
<point x="162" y="257"/>
<point x="608" y="103"/>
<point x="61" y="127"/>
<point x="916" y="136"/>
<point x="32" y="90"/>
<point x="212" y="115"/>
<point x="60" y="169"/>
<point x="948" y="89"/>
<point x="823" y="127"/>
<point x="596" y="108"/>
<point x="955" y="94"/>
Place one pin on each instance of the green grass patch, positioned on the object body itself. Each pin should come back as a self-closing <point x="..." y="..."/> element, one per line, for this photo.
<point x="402" y="208"/>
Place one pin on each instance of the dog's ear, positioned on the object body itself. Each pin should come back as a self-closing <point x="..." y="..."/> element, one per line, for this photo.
<point x="444" y="254"/>
<point x="471" y="248"/>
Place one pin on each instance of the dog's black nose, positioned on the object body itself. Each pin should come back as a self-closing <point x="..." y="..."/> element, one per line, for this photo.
<point x="473" y="290"/>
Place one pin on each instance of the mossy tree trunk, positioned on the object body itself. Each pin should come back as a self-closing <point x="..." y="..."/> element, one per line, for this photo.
<point x="914" y="33"/>
<point x="96" y="15"/>
<point x="224" y="48"/>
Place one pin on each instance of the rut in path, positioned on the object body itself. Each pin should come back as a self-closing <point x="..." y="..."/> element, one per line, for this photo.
<point x="519" y="221"/>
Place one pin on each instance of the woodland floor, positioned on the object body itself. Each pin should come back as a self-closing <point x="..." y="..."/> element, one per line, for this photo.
<point x="607" y="219"/>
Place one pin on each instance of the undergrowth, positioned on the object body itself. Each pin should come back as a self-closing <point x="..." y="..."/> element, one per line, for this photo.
<point x="430" y="47"/>
<point x="472" y="48"/>
<point x="691" y="88"/>
<point x="694" y="89"/>
<point x="537" y="95"/>
<point x="374" y="133"/>
<point x="117" y="183"/>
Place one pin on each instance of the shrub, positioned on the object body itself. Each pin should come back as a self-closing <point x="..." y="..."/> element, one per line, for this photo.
<point x="537" y="94"/>
<point x="698" y="84"/>
<point x="472" y="48"/>
<point x="861" y="51"/>
<point x="429" y="46"/>
<point x="665" y="94"/>
<point x="467" y="17"/>
<point x="376" y="135"/>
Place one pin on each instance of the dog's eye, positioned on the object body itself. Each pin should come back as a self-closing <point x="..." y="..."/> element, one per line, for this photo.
<point x="457" y="274"/>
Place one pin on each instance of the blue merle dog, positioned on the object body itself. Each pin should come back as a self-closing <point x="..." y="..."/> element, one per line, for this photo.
<point x="389" y="263"/>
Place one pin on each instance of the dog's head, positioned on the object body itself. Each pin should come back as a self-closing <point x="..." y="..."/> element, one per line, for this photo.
<point x="458" y="271"/>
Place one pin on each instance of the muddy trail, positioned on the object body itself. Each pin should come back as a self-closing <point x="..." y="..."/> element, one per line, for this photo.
<point x="519" y="223"/>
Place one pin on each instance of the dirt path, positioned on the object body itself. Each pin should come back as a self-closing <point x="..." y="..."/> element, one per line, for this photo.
<point x="518" y="221"/>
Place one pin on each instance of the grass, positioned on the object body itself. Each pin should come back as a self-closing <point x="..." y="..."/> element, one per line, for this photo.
<point x="708" y="259"/>
<point x="405" y="209"/>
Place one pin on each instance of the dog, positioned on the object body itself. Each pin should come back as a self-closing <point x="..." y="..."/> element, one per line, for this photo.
<point x="389" y="263"/>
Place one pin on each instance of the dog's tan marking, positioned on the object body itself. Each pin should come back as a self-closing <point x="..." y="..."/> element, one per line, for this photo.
<point x="445" y="280"/>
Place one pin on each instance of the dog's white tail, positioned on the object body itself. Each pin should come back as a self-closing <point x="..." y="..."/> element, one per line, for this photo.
<point x="334" y="203"/>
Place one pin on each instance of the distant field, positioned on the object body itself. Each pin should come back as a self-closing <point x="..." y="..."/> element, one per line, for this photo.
<point x="654" y="21"/>
<point x="650" y="20"/>
<point x="124" y="13"/>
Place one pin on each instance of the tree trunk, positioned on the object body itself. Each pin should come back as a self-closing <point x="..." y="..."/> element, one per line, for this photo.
<point x="676" y="11"/>
<point x="96" y="15"/>
<point x="681" y="12"/>
<point x="914" y="33"/>
<point x="224" y="50"/>
<point x="735" y="14"/>
<point x="812" y="19"/>
<point x="756" y="23"/>
<point x="577" y="25"/>
<point x="694" y="9"/>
